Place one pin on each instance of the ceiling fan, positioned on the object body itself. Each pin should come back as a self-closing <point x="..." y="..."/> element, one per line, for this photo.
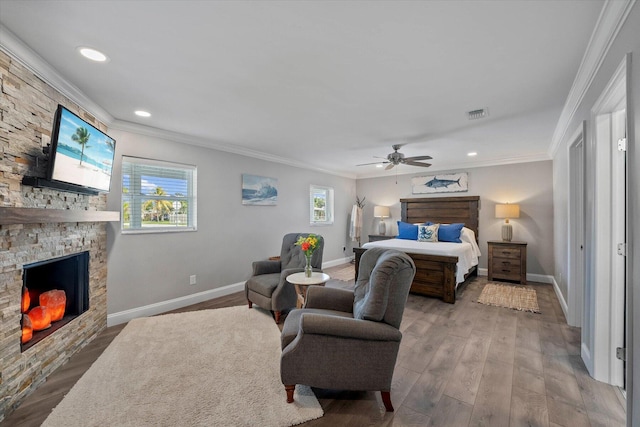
<point x="396" y="158"/>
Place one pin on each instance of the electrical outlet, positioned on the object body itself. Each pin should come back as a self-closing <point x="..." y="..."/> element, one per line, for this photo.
<point x="192" y="279"/>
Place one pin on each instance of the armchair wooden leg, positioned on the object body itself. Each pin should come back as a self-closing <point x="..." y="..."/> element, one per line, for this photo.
<point x="386" y="399"/>
<point x="277" y="316"/>
<point x="290" y="389"/>
<point x="250" y="303"/>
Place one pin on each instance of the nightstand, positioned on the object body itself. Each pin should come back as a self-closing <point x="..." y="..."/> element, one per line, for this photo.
<point x="508" y="261"/>
<point x="378" y="237"/>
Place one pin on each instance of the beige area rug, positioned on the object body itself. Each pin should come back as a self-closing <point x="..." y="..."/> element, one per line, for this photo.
<point x="204" y="368"/>
<point x="346" y="273"/>
<point x="516" y="297"/>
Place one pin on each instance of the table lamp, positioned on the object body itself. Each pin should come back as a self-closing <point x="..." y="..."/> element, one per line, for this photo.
<point x="507" y="211"/>
<point x="381" y="212"/>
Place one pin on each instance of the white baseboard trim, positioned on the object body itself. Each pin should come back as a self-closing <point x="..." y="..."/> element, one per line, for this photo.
<point x="586" y="358"/>
<point x="561" y="300"/>
<point x="541" y="278"/>
<point x="173" y="304"/>
<point x="335" y="262"/>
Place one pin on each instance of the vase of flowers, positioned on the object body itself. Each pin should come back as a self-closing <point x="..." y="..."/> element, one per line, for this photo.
<point x="308" y="245"/>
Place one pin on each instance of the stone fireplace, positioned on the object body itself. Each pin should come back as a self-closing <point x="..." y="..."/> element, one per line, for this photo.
<point x="39" y="224"/>
<point x="23" y="371"/>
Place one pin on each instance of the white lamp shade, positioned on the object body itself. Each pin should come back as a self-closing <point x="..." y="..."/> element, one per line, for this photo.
<point x="381" y="212"/>
<point x="508" y="211"/>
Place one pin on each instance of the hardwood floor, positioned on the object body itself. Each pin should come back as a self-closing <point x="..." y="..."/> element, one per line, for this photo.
<point x="465" y="364"/>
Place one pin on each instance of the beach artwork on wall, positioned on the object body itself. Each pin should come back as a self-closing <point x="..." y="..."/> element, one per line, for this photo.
<point x="445" y="183"/>
<point x="259" y="190"/>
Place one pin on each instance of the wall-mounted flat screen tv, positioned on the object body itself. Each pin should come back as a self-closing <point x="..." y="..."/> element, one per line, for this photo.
<point x="80" y="154"/>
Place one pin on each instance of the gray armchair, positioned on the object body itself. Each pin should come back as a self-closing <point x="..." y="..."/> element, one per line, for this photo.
<point x="268" y="285"/>
<point x="349" y="340"/>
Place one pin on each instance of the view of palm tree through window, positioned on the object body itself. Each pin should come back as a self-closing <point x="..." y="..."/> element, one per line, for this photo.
<point x="157" y="197"/>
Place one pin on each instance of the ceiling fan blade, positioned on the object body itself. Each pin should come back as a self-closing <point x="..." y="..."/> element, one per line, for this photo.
<point x="374" y="163"/>
<point x="389" y="166"/>
<point x="410" y="159"/>
<point x="424" y="165"/>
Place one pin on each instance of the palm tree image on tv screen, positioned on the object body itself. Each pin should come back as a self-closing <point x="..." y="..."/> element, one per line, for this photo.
<point x="84" y="155"/>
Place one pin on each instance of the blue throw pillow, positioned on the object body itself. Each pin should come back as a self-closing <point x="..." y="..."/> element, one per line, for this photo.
<point x="407" y="231"/>
<point x="450" y="232"/>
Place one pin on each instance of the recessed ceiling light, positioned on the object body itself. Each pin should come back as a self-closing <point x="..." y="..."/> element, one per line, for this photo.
<point x="92" y="54"/>
<point x="471" y="154"/>
<point x="142" y="113"/>
<point x="379" y="165"/>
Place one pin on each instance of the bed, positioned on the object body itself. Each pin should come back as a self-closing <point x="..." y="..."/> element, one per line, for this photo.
<point x="436" y="274"/>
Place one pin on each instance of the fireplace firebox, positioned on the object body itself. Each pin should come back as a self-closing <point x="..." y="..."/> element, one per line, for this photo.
<point x="69" y="274"/>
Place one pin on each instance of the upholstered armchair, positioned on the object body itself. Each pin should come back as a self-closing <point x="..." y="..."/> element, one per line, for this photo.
<point x="349" y="340"/>
<point x="268" y="285"/>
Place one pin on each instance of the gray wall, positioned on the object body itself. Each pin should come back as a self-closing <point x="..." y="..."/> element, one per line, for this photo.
<point x="151" y="268"/>
<point x="627" y="41"/>
<point x="528" y="184"/>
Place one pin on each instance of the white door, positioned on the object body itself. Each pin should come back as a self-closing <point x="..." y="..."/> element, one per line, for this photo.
<point x="619" y="233"/>
<point x="605" y="236"/>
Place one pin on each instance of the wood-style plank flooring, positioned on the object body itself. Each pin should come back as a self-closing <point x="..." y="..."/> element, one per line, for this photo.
<point x="465" y="364"/>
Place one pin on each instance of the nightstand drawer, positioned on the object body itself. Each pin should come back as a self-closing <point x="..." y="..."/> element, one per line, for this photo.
<point x="513" y="253"/>
<point x="505" y="266"/>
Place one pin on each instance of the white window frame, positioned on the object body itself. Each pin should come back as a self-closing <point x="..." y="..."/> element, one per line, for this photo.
<point x="136" y="167"/>
<point x="329" y="206"/>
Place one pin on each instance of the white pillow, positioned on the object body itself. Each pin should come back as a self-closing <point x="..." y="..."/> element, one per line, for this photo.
<point x="467" y="235"/>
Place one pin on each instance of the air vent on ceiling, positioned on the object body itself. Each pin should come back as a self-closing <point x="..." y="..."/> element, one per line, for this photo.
<point x="478" y="114"/>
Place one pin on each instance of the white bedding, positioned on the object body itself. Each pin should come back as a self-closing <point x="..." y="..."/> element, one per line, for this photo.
<point x="467" y="251"/>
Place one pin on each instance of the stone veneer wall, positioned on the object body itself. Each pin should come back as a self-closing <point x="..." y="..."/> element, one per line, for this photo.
<point x="27" y="107"/>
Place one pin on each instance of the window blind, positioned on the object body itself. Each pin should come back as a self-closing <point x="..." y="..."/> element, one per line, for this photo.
<point x="158" y="195"/>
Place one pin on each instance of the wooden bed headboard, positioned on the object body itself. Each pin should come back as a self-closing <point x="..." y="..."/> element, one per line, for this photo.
<point x="444" y="210"/>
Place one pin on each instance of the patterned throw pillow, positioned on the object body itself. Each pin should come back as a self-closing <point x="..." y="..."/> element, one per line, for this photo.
<point x="428" y="233"/>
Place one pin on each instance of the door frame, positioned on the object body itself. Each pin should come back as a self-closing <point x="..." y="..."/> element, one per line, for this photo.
<point x="603" y="325"/>
<point x="576" y="256"/>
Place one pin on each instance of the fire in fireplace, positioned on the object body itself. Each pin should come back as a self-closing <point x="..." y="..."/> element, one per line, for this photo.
<point x="54" y="292"/>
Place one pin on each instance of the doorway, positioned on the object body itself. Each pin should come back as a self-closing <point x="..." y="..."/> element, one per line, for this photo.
<point x="604" y="319"/>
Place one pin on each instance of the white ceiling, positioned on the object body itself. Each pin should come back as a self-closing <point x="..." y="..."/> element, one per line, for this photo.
<point x="327" y="84"/>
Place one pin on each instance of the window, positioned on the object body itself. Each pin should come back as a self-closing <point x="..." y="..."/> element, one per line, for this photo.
<point x="321" y="201"/>
<point x="157" y="196"/>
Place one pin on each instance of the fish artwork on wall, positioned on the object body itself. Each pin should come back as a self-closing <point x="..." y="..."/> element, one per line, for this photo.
<point x="444" y="183"/>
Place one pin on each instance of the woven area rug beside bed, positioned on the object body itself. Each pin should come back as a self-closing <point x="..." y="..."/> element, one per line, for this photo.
<point x="510" y="296"/>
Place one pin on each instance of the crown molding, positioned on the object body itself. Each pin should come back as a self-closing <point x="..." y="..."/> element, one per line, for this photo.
<point x="26" y="56"/>
<point x="612" y="17"/>
<point x="213" y="145"/>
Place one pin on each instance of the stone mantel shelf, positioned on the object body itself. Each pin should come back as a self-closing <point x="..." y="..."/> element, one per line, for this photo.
<point x="43" y="216"/>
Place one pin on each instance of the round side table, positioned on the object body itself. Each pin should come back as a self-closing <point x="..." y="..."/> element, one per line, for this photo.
<point x="301" y="283"/>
